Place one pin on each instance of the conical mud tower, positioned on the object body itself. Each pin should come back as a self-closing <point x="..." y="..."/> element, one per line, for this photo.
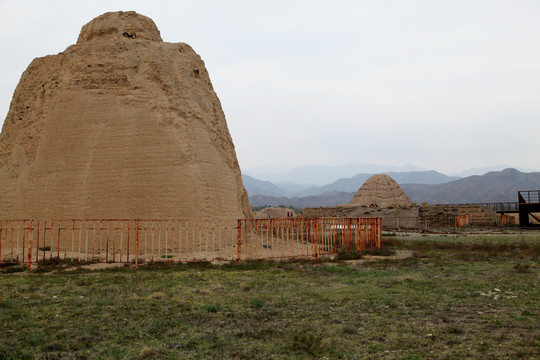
<point x="380" y="190"/>
<point x="120" y="125"/>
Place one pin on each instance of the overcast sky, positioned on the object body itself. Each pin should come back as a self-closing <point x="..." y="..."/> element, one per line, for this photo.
<point x="444" y="85"/>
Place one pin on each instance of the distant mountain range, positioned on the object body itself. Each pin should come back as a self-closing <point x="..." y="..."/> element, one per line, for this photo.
<point x="318" y="175"/>
<point x="354" y="183"/>
<point x="268" y="188"/>
<point x="321" y="174"/>
<point x="496" y="186"/>
<point x="485" y="170"/>
<point x="421" y="186"/>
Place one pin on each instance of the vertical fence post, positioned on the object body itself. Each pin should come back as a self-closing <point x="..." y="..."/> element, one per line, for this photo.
<point x="1" y="229"/>
<point x="127" y="251"/>
<point x="57" y="244"/>
<point x="350" y="235"/>
<point x="37" y="245"/>
<point x="358" y="235"/>
<point x="239" y="241"/>
<point x="316" y="224"/>
<point x="371" y="236"/>
<point x="379" y="233"/>
<point x="23" y="242"/>
<point x="30" y="245"/>
<point x="136" y="244"/>
<point x="372" y="232"/>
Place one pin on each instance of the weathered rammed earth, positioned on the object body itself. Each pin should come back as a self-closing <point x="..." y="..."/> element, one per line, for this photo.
<point x="120" y="125"/>
<point x="380" y="190"/>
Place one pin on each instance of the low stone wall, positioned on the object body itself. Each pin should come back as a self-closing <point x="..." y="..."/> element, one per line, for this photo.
<point x="337" y="211"/>
<point x="445" y="215"/>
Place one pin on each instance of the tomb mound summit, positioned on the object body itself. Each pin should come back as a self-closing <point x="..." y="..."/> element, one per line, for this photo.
<point x="120" y="125"/>
<point x="114" y="26"/>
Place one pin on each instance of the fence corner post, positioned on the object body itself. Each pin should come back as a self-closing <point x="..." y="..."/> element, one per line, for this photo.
<point x="136" y="244"/>
<point x="30" y="245"/>
<point x="239" y="242"/>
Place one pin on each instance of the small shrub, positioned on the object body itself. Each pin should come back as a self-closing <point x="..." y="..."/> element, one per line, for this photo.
<point x="246" y="287"/>
<point x="156" y="296"/>
<point x="86" y="340"/>
<point x="390" y="303"/>
<point x="349" y="330"/>
<point x="455" y="330"/>
<point x="211" y="308"/>
<point x="33" y="295"/>
<point x="185" y="305"/>
<point x="150" y="353"/>
<point x="54" y="346"/>
<point x="522" y="268"/>
<point x="351" y="255"/>
<point x="309" y="342"/>
<point x="257" y="303"/>
<point x="4" y="304"/>
<point x="36" y="339"/>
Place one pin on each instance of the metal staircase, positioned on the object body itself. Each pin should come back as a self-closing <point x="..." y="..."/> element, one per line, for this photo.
<point x="529" y="203"/>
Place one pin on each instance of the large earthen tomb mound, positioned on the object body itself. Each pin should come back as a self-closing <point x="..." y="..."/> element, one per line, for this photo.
<point x="120" y="125"/>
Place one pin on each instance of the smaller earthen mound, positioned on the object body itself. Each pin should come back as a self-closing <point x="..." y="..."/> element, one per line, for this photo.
<point x="380" y="191"/>
<point x="120" y="25"/>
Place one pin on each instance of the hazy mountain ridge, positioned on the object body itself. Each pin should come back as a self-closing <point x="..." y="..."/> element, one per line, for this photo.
<point x="322" y="174"/>
<point x="497" y="186"/>
<point x="268" y="188"/>
<point x="501" y="186"/>
<point x="485" y="170"/>
<point x="354" y="183"/>
<point x="260" y="187"/>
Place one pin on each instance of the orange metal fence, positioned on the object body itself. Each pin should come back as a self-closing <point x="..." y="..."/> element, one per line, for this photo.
<point x="300" y="237"/>
<point x="186" y="240"/>
<point x="461" y="221"/>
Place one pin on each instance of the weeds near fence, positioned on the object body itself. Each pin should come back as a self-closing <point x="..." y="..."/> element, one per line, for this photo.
<point x="503" y="246"/>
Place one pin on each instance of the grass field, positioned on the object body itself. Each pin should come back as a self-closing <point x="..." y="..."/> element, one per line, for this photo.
<point x="456" y="297"/>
